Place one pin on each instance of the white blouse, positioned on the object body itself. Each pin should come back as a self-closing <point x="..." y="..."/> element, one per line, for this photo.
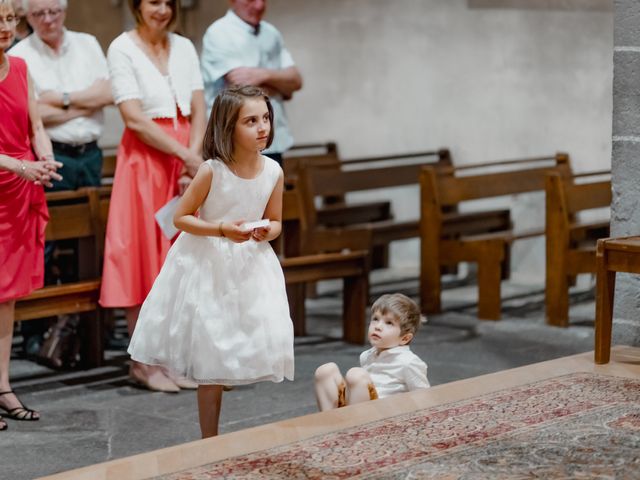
<point x="135" y="76"/>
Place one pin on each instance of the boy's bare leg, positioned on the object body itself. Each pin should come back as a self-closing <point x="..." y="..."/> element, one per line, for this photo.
<point x="358" y="381"/>
<point x="209" y="403"/>
<point x="327" y="384"/>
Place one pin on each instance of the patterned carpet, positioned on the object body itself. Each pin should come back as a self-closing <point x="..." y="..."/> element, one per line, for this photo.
<point x="573" y="426"/>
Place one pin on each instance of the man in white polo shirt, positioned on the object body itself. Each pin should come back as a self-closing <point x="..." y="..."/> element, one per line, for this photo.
<point x="71" y="81"/>
<point x="241" y="49"/>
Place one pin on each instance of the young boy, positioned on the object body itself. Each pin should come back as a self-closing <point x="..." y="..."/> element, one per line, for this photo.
<point x="387" y="368"/>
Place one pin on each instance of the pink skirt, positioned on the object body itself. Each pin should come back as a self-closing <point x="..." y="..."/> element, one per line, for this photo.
<point x="135" y="248"/>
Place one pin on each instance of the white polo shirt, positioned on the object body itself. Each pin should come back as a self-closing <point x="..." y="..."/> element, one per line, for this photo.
<point x="231" y="43"/>
<point x="395" y="370"/>
<point x="80" y="63"/>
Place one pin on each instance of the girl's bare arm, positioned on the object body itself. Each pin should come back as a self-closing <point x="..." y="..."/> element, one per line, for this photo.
<point x="190" y="202"/>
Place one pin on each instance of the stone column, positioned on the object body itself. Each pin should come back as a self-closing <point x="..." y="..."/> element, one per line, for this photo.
<point x="625" y="207"/>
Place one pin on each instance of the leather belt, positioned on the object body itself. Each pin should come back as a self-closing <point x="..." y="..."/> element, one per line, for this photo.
<point x="74" y="150"/>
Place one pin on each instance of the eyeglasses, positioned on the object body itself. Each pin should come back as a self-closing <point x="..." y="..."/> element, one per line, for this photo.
<point x="41" y="14"/>
<point x="9" y="20"/>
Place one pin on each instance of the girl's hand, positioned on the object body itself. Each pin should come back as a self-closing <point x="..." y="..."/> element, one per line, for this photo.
<point x="260" y="234"/>
<point x="233" y="232"/>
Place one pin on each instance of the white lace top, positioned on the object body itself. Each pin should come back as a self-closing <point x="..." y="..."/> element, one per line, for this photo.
<point x="135" y="76"/>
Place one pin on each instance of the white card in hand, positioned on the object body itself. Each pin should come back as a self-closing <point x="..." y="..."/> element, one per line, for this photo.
<point x="246" y="226"/>
<point x="164" y="217"/>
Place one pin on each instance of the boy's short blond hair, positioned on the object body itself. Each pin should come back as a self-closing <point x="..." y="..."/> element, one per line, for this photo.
<point x="402" y="308"/>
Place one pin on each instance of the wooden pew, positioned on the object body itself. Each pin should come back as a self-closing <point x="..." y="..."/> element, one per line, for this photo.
<point x="352" y="266"/>
<point x="379" y="173"/>
<point x="301" y="155"/>
<point x="359" y="175"/>
<point x="108" y="167"/>
<point x="333" y="211"/>
<point x="442" y="243"/>
<point x="74" y="214"/>
<point x="570" y="244"/>
<point x="613" y="255"/>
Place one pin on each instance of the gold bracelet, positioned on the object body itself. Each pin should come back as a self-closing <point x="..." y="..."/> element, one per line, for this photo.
<point x="23" y="167"/>
<point x="220" y="229"/>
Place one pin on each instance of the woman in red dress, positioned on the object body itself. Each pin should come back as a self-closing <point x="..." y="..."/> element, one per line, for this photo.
<point x="23" y="208"/>
<point x="156" y="83"/>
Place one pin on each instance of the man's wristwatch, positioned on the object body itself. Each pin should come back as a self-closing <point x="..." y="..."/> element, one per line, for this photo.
<point x="66" y="100"/>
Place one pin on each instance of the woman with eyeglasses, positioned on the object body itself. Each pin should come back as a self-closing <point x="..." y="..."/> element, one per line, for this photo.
<point x="157" y="86"/>
<point x="23" y="29"/>
<point x="26" y="164"/>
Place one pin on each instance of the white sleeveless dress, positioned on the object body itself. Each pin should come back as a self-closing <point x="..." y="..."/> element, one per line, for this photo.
<point x="218" y="310"/>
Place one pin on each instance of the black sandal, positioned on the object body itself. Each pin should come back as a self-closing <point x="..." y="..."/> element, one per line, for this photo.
<point x="19" y="413"/>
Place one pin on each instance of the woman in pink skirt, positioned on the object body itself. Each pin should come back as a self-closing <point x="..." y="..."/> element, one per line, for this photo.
<point x="156" y="82"/>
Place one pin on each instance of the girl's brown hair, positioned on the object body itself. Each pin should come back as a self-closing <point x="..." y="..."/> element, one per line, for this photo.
<point x="134" y="6"/>
<point x="218" y="139"/>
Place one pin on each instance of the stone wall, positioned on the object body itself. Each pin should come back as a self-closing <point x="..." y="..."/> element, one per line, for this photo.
<point x="625" y="218"/>
<point x="490" y="79"/>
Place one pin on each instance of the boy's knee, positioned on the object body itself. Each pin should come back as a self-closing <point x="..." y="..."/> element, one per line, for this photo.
<point x="326" y="371"/>
<point x="357" y="376"/>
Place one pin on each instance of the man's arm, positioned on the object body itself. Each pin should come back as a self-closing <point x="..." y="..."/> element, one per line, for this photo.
<point x="284" y="81"/>
<point x="52" y="116"/>
<point x="92" y="98"/>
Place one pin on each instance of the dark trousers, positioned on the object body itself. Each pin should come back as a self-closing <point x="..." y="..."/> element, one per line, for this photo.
<point x="81" y="166"/>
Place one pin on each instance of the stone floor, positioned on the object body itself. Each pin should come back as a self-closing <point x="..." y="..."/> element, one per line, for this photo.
<point x="98" y="415"/>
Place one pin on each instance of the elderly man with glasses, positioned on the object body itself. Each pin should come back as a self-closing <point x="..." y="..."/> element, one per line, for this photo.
<point x="71" y="80"/>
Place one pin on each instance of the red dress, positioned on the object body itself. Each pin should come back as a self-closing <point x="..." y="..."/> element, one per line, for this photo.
<point x="135" y="247"/>
<point x="23" y="207"/>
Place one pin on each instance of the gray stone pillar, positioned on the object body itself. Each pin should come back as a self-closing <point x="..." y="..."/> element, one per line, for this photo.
<point x="625" y="208"/>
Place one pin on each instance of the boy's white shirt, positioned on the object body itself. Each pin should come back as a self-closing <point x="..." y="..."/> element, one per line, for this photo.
<point x="394" y="370"/>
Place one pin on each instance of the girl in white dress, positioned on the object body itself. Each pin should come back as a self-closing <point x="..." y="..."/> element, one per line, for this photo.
<point x="218" y="312"/>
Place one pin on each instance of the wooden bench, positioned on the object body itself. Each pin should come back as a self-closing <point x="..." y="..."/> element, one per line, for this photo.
<point x="612" y="255"/>
<point x="74" y="215"/>
<point x="108" y="167"/>
<point x="570" y="243"/>
<point x="358" y="175"/>
<point x="352" y="266"/>
<point x="334" y="211"/>
<point x="442" y="241"/>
